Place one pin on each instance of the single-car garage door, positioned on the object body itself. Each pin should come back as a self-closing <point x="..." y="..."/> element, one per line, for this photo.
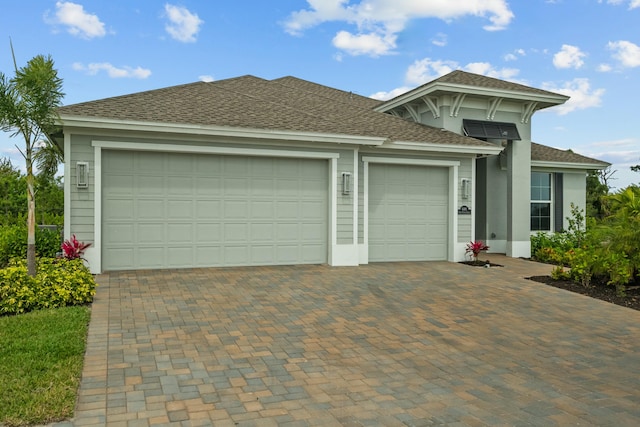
<point x="168" y="210"/>
<point x="408" y="212"/>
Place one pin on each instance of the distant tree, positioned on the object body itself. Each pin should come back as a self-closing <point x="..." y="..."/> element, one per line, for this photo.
<point x="28" y="107"/>
<point x="12" y="189"/>
<point x="597" y="189"/>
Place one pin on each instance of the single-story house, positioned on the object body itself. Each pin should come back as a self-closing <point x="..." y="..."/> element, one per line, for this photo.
<point x="247" y="171"/>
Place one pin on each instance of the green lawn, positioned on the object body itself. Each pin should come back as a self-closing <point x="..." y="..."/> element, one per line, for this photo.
<point x="41" y="355"/>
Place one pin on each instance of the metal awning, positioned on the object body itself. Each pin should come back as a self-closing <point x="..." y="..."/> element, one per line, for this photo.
<point x="490" y="130"/>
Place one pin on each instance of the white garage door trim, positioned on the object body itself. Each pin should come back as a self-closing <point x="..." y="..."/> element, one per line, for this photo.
<point x="94" y="255"/>
<point x="453" y="167"/>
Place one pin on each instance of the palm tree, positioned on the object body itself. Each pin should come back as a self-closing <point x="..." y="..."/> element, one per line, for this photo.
<point x="28" y="107"/>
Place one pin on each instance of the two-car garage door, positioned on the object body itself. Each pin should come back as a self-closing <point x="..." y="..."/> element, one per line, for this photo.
<point x="163" y="210"/>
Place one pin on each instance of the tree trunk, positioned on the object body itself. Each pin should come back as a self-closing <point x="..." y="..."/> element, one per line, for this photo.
<point x="31" y="220"/>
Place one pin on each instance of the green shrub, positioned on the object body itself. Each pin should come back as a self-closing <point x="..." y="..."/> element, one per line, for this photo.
<point x="13" y="243"/>
<point x="58" y="283"/>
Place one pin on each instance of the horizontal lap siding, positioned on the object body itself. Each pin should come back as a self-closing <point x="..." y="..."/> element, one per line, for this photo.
<point x="82" y="199"/>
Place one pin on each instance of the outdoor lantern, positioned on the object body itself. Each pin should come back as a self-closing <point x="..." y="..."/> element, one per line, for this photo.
<point x="466" y="188"/>
<point x="346" y="183"/>
<point x="82" y="174"/>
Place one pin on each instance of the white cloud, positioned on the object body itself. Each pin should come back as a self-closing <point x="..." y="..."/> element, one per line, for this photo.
<point x="632" y="3"/>
<point x="183" y="25"/>
<point x="604" y="68"/>
<point x="114" y="72"/>
<point x="426" y="70"/>
<point x="206" y="78"/>
<point x="581" y="93"/>
<point x="384" y="19"/>
<point x="627" y="53"/>
<point x="513" y="56"/>
<point x="372" y="44"/>
<point x="569" y="57"/>
<point x="440" y="40"/>
<point x="78" y="22"/>
<point x="383" y="96"/>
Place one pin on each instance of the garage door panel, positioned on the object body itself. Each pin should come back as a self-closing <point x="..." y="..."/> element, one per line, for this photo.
<point x="150" y="163"/>
<point x="208" y="233"/>
<point x="262" y="254"/>
<point x="287" y="232"/>
<point x="287" y="254"/>
<point x="236" y="209"/>
<point x="121" y="185"/>
<point x="150" y="209"/>
<point x="118" y="233"/>
<point x="236" y="233"/>
<point x="236" y="255"/>
<point x="262" y="209"/>
<point x="262" y="233"/>
<point x="123" y="257"/>
<point x="287" y="210"/>
<point x="208" y="256"/>
<point x="183" y="210"/>
<point x="408" y="212"/>
<point x="208" y="209"/>
<point x="208" y="186"/>
<point x="151" y="233"/>
<point x="179" y="209"/>
<point x="179" y="185"/>
<point x="150" y="256"/>
<point x="150" y="185"/>
<point x="120" y="209"/>
<point x="179" y="233"/>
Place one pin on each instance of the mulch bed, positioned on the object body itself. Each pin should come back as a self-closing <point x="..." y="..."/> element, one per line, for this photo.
<point x="480" y="263"/>
<point x="598" y="291"/>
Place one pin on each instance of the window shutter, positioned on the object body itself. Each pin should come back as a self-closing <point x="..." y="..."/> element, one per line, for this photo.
<point x="558" y="215"/>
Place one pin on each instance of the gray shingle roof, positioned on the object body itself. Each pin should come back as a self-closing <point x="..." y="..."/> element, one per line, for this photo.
<point x="287" y="104"/>
<point x="465" y="78"/>
<point x="543" y="153"/>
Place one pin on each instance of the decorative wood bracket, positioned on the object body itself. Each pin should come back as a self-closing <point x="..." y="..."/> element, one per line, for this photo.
<point x="432" y="103"/>
<point x="527" y="111"/>
<point x="492" y="107"/>
<point x="413" y="112"/>
<point x="457" y="103"/>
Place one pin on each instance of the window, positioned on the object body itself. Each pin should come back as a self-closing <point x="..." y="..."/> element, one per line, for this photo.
<point x="540" y="201"/>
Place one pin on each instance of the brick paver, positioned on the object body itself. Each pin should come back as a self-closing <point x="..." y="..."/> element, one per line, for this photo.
<point x="398" y="344"/>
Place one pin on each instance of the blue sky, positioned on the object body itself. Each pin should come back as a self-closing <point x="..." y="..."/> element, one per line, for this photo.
<point x="587" y="49"/>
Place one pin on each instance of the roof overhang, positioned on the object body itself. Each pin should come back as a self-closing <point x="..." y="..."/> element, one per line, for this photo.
<point x="444" y="148"/>
<point x="568" y="165"/>
<point x="439" y="88"/>
<point x="224" y="131"/>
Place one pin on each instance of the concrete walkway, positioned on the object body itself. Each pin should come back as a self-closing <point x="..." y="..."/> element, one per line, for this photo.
<point x="398" y="344"/>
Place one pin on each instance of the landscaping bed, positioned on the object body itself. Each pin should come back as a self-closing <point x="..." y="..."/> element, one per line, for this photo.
<point x="599" y="291"/>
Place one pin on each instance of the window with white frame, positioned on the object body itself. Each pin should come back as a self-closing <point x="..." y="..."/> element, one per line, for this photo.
<point x="541" y="201"/>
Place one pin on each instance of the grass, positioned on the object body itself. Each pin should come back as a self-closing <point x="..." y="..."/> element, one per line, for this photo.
<point x="41" y="356"/>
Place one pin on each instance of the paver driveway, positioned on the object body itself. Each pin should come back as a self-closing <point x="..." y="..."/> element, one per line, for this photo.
<point x="407" y="344"/>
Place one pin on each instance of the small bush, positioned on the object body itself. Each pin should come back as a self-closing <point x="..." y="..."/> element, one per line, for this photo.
<point x="13" y="243"/>
<point x="58" y="283"/>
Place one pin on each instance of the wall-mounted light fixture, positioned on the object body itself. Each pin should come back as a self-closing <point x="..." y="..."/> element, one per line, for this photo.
<point x="466" y="188"/>
<point x="346" y="183"/>
<point x="82" y="174"/>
